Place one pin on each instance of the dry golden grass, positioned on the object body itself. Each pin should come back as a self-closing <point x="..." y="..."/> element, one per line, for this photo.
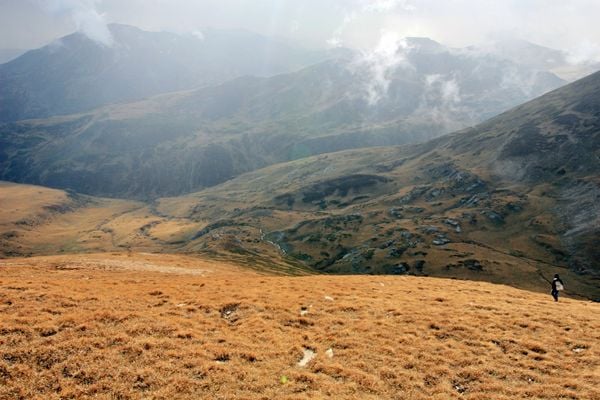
<point x="141" y="326"/>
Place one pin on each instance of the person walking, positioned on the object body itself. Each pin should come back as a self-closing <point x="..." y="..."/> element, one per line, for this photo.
<point x="557" y="285"/>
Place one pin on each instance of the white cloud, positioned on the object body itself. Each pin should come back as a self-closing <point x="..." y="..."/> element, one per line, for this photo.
<point x="584" y="52"/>
<point x="387" y="5"/>
<point x="381" y="62"/>
<point x="441" y="102"/>
<point x="357" y="9"/>
<point x="198" y="34"/>
<point x="85" y="16"/>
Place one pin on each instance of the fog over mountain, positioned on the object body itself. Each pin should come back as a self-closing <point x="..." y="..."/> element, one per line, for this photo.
<point x="76" y="73"/>
<point x="405" y="90"/>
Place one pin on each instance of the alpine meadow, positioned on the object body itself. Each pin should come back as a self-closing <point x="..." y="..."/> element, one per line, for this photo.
<point x="339" y="199"/>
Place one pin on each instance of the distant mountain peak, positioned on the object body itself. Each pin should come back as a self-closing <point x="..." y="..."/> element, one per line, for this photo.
<point x="425" y="44"/>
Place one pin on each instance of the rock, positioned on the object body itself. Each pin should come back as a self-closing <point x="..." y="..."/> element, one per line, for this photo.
<point x="418" y="265"/>
<point x="396" y="212"/>
<point x="514" y="207"/>
<point x="397" y="252"/>
<point x="428" y="229"/>
<point x="401" y="269"/>
<point x="473" y="265"/>
<point x="440" y="240"/>
<point x="307" y="357"/>
<point x="387" y="244"/>
<point x="329" y="352"/>
<point x="451" y="222"/>
<point x="493" y="216"/>
<point x="414" y="194"/>
<point x="405" y="235"/>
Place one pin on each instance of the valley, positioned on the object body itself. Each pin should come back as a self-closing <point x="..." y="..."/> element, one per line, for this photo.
<point x="201" y="207"/>
<point x="481" y="204"/>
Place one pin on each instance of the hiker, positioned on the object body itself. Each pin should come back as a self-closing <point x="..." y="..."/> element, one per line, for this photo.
<point x="557" y="284"/>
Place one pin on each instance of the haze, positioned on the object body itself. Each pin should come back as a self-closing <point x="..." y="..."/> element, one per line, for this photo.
<point x="568" y="26"/>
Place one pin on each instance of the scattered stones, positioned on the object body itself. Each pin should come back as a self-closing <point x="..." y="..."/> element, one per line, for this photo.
<point x="414" y="194"/>
<point x="328" y="298"/>
<point x="395" y="269"/>
<point x="454" y="223"/>
<point x="471" y="264"/>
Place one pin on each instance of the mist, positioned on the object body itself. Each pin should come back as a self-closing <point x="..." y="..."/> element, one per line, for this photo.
<point x="360" y="24"/>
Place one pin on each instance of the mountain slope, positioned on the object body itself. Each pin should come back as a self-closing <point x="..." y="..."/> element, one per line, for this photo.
<point x="543" y="58"/>
<point x="154" y="325"/>
<point x="77" y="74"/>
<point x="512" y="200"/>
<point x="181" y="142"/>
<point x="7" y="55"/>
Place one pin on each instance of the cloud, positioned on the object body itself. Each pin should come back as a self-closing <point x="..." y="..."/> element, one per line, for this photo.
<point x="198" y="34"/>
<point x="380" y="63"/>
<point x="359" y="8"/>
<point x="441" y="102"/>
<point x="387" y="5"/>
<point x="85" y="16"/>
<point x="584" y="52"/>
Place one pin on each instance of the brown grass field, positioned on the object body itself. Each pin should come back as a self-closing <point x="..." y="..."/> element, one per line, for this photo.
<point x="151" y="326"/>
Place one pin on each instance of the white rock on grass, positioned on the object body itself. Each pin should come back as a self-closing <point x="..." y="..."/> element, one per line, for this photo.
<point x="308" y="356"/>
<point x="329" y="352"/>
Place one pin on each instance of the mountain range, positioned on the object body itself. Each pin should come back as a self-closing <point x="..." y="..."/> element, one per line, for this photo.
<point x="513" y="200"/>
<point x="179" y="142"/>
<point x="516" y="196"/>
<point x="75" y="73"/>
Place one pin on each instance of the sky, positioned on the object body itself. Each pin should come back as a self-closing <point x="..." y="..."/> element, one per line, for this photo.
<point x="569" y="25"/>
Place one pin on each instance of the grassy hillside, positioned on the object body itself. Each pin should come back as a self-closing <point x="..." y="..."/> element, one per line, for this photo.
<point x="511" y="200"/>
<point x="154" y="326"/>
<point x="39" y="221"/>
